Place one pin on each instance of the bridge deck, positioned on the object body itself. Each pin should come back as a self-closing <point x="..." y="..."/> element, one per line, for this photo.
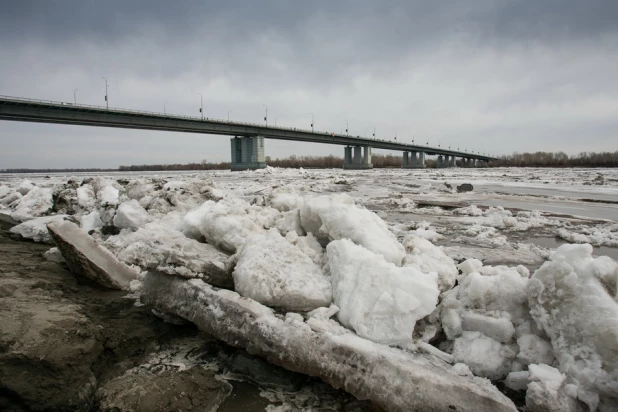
<point x="29" y="110"/>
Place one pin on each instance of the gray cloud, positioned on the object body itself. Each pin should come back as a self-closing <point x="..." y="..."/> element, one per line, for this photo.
<point x="494" y="76"/>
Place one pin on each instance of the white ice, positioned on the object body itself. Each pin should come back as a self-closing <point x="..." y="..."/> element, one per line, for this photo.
<point x="337" y="217"/>
<point x="377" y="299"/>
<point x="276" y="273"/>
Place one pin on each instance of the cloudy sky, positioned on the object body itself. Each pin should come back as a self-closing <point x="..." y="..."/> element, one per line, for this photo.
<point x="488" y="75"/>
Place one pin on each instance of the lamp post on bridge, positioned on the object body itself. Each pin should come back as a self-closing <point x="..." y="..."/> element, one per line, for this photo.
<point x="164" y="104"/>
<point x="228" y="115"/>
<point x="276" y="121"/>
<point x="346" y="128"/>
<point x="106" y="94"/>
<point x="311" y="122"/>
<point x="266" y="116"/>
<point x="201" y="105"/>
<point x="75" y="96"/>
<point x="374" y="132"/>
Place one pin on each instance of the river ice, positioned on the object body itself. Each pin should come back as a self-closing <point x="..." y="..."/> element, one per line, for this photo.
<point x="406" y="260"/>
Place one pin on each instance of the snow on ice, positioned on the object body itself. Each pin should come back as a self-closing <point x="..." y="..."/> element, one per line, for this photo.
<point x="430" y="282"/>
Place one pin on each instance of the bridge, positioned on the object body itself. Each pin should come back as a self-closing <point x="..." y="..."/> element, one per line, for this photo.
<point x="247" y="143"/>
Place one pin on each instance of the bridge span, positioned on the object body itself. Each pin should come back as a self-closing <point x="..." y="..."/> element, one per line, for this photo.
<point x="247" y="143"/>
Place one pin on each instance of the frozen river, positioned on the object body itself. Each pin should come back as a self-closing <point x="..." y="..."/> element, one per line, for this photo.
<point x="457" y="247"/>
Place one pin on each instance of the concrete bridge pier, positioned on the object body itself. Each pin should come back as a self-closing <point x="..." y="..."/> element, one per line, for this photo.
<point x="413" y="160"/>
<point x="247" y="153"/>
<point x="440" y="162"/>
<point x="360" y="159"/>
<point x="452" y="161"/>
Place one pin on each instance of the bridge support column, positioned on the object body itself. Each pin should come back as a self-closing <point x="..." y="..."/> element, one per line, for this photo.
<point x="447" y="161"/>
<point x="247" y="153"/>
<point x="440" y="162"/>
<point x="452" y="162"/>
<point x="413" y="160"/>
<point x="360" y="160"/>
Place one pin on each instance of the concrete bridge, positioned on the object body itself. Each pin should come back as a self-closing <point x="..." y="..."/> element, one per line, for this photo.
<point x="247" y="143"/>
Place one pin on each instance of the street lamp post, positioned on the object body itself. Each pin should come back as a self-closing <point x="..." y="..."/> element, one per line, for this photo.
<point x="374" y="132"/>
<point x="266" y="115"/>
<point x="164" y="109"/>
<point x="106" y="94"/>
<point x="201" y="105"/>
<point x="346" y="128"/>
<point x="75" y="96"/>
<point x="228" y="115"/>
<point x="276" y="121"/>
<point x="311" y="122"/>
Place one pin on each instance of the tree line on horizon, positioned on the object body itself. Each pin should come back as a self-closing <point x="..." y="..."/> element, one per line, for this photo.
<point x="537" y="159"/>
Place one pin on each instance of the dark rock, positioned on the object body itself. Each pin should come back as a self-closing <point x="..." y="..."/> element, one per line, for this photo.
<point x="466" y="187"/>
<point x="109" y="230"/>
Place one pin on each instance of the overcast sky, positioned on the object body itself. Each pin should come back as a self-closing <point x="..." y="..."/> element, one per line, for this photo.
<point x="486" y="75"/>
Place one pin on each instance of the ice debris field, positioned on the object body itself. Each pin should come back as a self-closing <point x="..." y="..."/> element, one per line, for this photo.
<point x="512" y="281"/>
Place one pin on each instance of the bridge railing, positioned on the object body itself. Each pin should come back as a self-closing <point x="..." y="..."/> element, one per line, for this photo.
<point x="196" y="118"/>
<point x="177" y="116"/>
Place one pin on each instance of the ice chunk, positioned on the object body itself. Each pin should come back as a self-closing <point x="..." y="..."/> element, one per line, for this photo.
<point x="25" y="186"/>
<point x="54" y="255"/>
<point x="505" y="291"/>
<point x="546" y="373"/>
<point x="130" y="215"/>
<point x="461" y="369"/>
<point x="470" y="265"/>
<point x="137" y="189"/>
<point x="10" y="198"/>
<point x="392" y="379"/>
<point x="36" y="229"/>
<point x="225" y="224"/>
<point x="289" y="222"/>
<point x="312" y="248"/>
<point x="283" y="199"/>
<point x="4" y="191"/>
<point x="518" y="381"/>
<point x="337" y="217"/>
<point x="541" y="397"/>
<point x="500" y="329"/>
<point x="451" y="323"/>
<point x="85" y="258"/>
<point x="575" y="310"/>
<point x="272" y="271"/>
<point x="36" y="202"/>
<point x="109" y="196"/>
<point x="533" y="349"/>
<point x="485" y="356"/>
<point x="377" y="299"/>
<point x="161" y="248"/>
<point x="428" y="257"/>
<point x="91" y="221"/>
<point x="85" y="196"/>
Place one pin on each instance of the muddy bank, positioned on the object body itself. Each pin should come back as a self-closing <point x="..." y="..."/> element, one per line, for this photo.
<point x="61" y="337"/>
<point x="67" y="344"/>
